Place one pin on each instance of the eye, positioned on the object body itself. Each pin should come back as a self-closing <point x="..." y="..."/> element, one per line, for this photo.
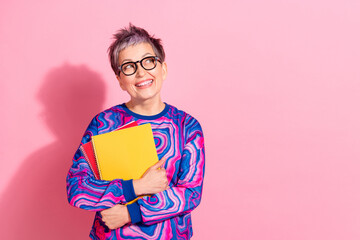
<point x="148" y="63"/>
<point x="149" y="60"/>
<point x="128" y="66"/>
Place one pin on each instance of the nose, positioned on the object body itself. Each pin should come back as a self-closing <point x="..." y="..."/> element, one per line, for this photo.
<point x="140" y="70"/>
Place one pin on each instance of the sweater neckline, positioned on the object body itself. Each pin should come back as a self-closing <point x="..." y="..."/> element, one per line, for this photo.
<point x="146" y="117"/>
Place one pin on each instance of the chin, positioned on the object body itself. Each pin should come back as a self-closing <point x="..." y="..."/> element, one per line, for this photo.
<point x="148" y="97"/>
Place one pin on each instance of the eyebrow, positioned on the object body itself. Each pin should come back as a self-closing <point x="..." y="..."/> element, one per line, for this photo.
<point x="130" y="60"/>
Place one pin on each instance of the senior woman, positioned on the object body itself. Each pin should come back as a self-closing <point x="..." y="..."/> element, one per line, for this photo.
<point x="173" y="186"/>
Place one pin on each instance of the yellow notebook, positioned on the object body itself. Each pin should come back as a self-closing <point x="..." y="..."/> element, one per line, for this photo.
<point x="125" y="154"/>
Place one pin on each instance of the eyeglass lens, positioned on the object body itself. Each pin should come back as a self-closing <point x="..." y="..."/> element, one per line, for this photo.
<point x="147" y="63"/>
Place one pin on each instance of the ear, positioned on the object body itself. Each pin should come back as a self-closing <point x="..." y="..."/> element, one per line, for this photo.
<point x="164" y="70"/>
<point x="120" y="82"/>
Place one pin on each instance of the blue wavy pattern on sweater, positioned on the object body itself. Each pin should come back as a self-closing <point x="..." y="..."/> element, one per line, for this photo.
<point x="178" y="137"/>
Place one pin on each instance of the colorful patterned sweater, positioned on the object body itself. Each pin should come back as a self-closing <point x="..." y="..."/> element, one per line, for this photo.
<point x="165" y="215"/>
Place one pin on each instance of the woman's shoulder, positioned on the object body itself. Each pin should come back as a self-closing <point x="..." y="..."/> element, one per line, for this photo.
<point x="111" y="118"/>
<point x="183" y="116"/>
<point x="111" y="111"/>
<point x="114" y="109"/>
<point x="178" y="113"/>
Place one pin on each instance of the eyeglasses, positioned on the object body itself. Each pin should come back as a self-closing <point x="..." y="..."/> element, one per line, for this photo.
<point x="147" y="63"/>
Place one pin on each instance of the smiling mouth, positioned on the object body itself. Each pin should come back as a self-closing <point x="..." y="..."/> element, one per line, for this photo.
<point x="144" y="83"/>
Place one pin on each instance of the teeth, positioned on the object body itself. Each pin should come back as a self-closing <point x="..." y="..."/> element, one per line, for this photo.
<point x="144" y="83"/>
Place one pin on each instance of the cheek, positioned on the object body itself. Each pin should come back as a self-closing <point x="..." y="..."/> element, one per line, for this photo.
<point x="121" y="85"/>
<point x="124" y="82"/>
<point x="160" y="74"/>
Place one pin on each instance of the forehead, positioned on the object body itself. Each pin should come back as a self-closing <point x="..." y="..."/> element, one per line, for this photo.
<point x="135" y="52"/>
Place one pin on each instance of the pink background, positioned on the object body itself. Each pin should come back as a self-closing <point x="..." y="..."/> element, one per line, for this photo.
<point x="275" y="84"/>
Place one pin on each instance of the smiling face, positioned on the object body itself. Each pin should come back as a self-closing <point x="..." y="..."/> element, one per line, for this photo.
<point x="143" y="85"/>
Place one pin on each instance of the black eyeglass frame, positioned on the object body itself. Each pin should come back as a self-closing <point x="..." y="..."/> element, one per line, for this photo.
<point x="157" y="59"/>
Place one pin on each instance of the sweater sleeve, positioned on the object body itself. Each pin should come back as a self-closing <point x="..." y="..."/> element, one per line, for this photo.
<point x="86" y="192"/>
<point x="186" y="194"/>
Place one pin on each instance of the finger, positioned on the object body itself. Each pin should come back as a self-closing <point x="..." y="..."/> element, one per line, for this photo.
<point x="163" y="162"/>
<point x="160" y="163"/>
<point x="163" y="165"/>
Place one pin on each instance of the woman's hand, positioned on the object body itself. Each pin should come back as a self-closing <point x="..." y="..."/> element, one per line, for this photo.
<point x="153" y="181"/>
<point x="116" y="217"/>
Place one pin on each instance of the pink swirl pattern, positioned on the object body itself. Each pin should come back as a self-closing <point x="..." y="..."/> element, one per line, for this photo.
<point x="167" y="215"/>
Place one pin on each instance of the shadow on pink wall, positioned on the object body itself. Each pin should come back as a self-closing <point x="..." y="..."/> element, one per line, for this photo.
<point x="35" y="205"/>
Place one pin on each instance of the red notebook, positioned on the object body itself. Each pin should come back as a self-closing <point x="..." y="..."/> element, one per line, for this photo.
<point x="88" y="151"/>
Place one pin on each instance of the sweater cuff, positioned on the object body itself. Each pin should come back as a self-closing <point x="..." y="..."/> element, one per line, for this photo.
<point x="128" y="189"/>
<point x="135" y="213"/>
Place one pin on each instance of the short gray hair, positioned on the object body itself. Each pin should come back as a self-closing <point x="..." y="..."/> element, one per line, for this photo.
<point x="130" y="36"/>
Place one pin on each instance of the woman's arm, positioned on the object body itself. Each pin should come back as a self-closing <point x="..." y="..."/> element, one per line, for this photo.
<point x="85" y="192"/>
<point x="153" y="181"/>
<point x="186" y="194"/>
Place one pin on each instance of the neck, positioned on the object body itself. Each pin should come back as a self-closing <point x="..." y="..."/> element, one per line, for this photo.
<point x="146" y="108"/>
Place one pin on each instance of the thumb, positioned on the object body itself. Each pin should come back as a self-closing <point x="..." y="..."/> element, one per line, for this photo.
<point x="159" y="164"/>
